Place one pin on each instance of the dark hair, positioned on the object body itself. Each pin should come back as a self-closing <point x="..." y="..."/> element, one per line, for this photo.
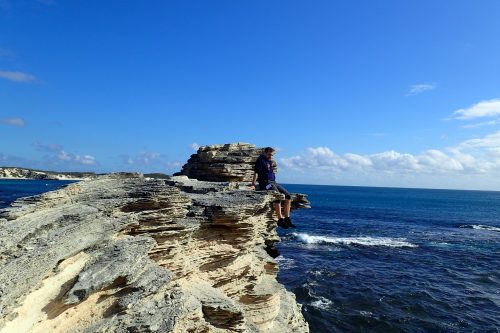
<point x="268" y="150"/>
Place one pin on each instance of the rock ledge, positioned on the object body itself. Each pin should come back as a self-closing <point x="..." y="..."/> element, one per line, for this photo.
<point x="127" y="253"/>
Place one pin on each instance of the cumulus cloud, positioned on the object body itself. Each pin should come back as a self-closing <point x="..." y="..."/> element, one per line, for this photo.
<point x="420" y="88"/>
<point x="19" y="122"/>
<point x="56" y="154"/>
<point x="18" y="76"/>
<point x="488" y="108"/>
<point x="475" y="156"/>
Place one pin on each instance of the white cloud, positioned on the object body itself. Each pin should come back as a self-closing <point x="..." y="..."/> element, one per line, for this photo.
<point x="488" y="108"/>
<point x="85" y="159"/>
<point x="391" y="161"/>
<point x="19" y="122"/>
<point x="420" y="88"/>
<point x="56" y="155"/>
<point x="194" y="146"/>
<point x="18" y="76"/>
<point x="64" y="156"/>
<point x="491" y="141"/>
<point x="474" y="156"/>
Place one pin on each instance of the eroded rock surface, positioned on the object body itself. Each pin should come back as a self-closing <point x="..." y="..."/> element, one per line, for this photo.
<point x="231" y="162"/>
<point x="126" y="253"/>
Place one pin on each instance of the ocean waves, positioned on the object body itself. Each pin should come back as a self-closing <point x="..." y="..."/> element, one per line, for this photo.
<point x="354" y="241"/>
<point x="480" y="227"/>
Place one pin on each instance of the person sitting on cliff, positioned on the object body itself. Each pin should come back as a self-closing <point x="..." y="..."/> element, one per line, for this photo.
<point x="264" y="173"/>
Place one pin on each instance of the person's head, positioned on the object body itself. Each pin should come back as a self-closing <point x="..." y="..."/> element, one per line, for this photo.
<point x="269" y="152"/>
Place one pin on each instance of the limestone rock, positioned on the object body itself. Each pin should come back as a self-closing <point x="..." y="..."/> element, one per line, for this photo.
<point x="231" y="162"/>
<point x="128" y="253"/>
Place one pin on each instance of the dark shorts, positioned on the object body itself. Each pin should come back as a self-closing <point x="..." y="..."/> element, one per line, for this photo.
<point x="275" y="187"/>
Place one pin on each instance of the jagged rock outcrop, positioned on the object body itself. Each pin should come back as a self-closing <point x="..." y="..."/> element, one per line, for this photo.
<point x="231" y="162"/>
<point x="127" y="253"/>
<point x="23" y="173"/>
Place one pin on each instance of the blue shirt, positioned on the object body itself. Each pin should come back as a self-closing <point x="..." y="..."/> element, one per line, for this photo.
<point x="264" y="169"/>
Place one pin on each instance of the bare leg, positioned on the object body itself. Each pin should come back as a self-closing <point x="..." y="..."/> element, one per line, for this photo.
<point x="287" y="207"/>
<point x="277" y="209"/>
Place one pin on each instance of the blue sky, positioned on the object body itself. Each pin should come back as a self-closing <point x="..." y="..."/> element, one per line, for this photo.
<point x="383" y="93"/>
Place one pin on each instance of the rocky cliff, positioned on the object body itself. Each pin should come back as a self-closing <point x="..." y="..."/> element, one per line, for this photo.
<point x="233" y="163"/>
<point x="229" y="162"/>
<point x="23" y="173"/>
<point x="127" y="253"/>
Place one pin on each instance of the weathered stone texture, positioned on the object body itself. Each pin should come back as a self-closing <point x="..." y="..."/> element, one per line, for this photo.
<point x="231" y="162"/>
<point x="126" y="253"/>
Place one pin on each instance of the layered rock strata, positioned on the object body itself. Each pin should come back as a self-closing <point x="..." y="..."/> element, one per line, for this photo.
<point x="231" y="162"/>
<point x="126" y="253"/>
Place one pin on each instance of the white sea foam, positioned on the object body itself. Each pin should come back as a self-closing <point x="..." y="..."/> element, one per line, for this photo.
<point x="285" y="263"/>
<point x="481" y="227"/>
<point x="321" y="303"/>
<point x="366" y="313"/>
<point x="364" y="241"/>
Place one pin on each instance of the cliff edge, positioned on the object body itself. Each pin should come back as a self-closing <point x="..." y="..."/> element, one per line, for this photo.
<point x="128" y="253"/>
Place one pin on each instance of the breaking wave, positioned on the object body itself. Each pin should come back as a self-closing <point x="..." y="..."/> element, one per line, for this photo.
<point x="363" y="241"/>
<point x="481" y="227"/>
<point x="285" y="263"/>
<point x="322" y="303"/>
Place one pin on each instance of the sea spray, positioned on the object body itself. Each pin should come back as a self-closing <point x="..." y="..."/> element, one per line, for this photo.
<point x="361" y="241"/>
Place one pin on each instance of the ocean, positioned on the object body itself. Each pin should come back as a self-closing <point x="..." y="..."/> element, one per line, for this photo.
<point x="367" y="259"/>
<point x="11" y="189"/>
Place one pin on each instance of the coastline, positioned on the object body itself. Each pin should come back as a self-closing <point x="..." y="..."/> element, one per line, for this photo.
<point x="185" y="253"/>
<point x="169" y="255"/>
<point x="58" y="178"/>
<point x="26" y="173"/>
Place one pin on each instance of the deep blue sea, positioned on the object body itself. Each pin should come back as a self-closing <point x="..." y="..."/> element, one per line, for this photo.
<point x="367" y="259"/>
<point x="11" y="189"/>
